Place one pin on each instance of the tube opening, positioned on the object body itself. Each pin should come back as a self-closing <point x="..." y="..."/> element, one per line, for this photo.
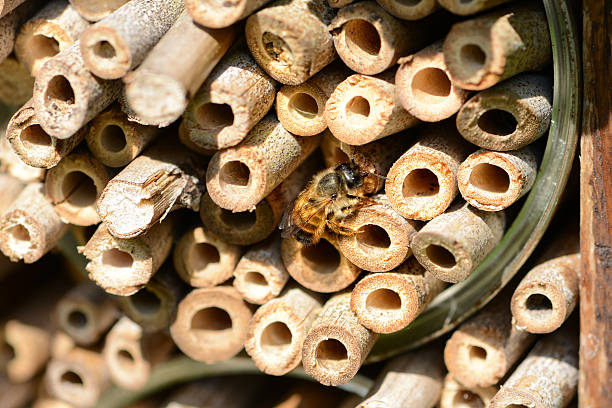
<point x="117" y="258"/>
<point x="304" y="104"/>
<point x="440" y="256"/>
<point x="362" y="37"/>
<point x="373" y="236"/>
<point x="322" y="257"/>
<point x="410" y="3"/>
<point x="255" y="279"/>
<point x="42" y="46"/>
<point x="202" y="255"/>
<point x="146" y="302"/>
<point x="538" y="303"/>
<point x="467" y="399"/>
<point x="104" y="49"/>
<point x="211" y="319"/>
<point x="497" y="122"/>
<point x="331" y="354"/>
<point x="516" y="406"/>
<point x="78" y="189"/>
<point x="420" y="183"/>
<point x="235" y="173"/>
<point x="59" y="92"/>
<point x="384" y="299"/>
<point x="77" y="319"/>
<point x="214" y="115"/>
<point x="490" y="178"/>
<point x="276" y="335"/>
<point x="358" y="108"/>
<point x="34" y="136"/>
<point x="431" y="85"/>
<point x="276" y="48"/>
<point x="472" y="57"/>
<point x="71" y="377"/>
<point x="244" y="220"/>
<point x="477" y="353"/>
<point x="19" y="233"/>
<point x="125" y="358"/>
<point x="112" y="138"/>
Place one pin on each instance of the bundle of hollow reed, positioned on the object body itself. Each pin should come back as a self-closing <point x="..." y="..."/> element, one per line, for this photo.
<point x="390" y="142"/>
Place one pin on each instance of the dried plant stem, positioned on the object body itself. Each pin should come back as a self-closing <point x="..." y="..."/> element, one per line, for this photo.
<point x="409" y="10"/>
<point x="16" y="83"/>
<point x="465" y="8"/>
<point x="211" y="13"/>
<point x="10" y="188"/>
<point x="94" y="10"/>
<point x="6" y="6"/>
<point x="10" y="23"/>
<point x="457" y="395"/>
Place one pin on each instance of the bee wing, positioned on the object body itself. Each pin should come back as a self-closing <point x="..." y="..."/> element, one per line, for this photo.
<point x="287" y="225"/>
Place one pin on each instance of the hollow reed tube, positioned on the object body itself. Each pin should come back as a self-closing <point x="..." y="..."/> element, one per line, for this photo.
<point x="457" y="395"/>
<point x="94" y="10"/>
<point x="212" y="14"/>
<point x="16" y="83"/>
<point x="409" y="10"/>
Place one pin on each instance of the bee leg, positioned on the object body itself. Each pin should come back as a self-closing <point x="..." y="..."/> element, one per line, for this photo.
<point x="341" y="229"/>
<point x="304" y="238"/>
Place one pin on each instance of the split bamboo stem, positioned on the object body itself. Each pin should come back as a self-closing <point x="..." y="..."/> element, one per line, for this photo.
<point x="425" y="88"/>
<point x="369" y="40"/>
<point x="290" y="39"/>
<point x="115" y="140"/>
<point x="409" y="10"/>
<point x="388" y="302"/>
<point x="451" y="245"/>
<point x="175" y="68"/>
<point x="456" y="395"/>
<point x="51" y="30"/>
<point x="277" y="330"/>
<point x="236" y="95"/>
<point x="547" y="295"/>
<point x="240" y="177"/>
<point x="508" y="116"/>
<point x="203" y="260"/>
<point x="468" y="7"/>
<point x="413" y="379"/>
<point x="11" y="164"/>
<point x="35" y="146"/>
<point x="383" y="237"/>
<point x="300" y="108"/>
<point x="16" y="83"/>
<point x="336" y="344"/>
<point x="167" y="176"/>
<point x="320" y="267"/>
<point x="130" y="354"/>
<point x="95" y="10"/>
<point x="490" y="48"/>
<point x="364" y="108"/>
<point x="10" y="23"/>
<point x="216" y="14"/>
<point x="484" y="348"/>
<point x="67" y="95"/>
<point x="211" y="323"/>
<point x="120" y="42"/>
<point x="260" y="274"/>
<point x="547" y="377"/>
<point x="74" y="185"/>
<point x="30" y="227"/>
<point x="422" y="183"/>
<point x="124" y="266"/>
<point x="492" y="181"/>
<point x="86" y="313"/>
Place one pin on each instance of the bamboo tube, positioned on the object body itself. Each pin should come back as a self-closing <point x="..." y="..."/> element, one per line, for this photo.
<point x="165" y="177"/>
<point x="33" y="145"/>
<point x="300" y="108"/>
<point x="260" y="274"/>
<point x="16" y="83"/>
<point x="547" y="377"/>
<point x="382" y="241"/>
<point x="120" y="42"/>
<point x="10" y="188"/>
<point x="240" y="177"/>
<point x="388" y="302"/>
<point x="456" y="395"/>
<point x="425" y="88"/>
<point x="16" y="395"/>
<point x="547" y="295"/>
<point x="490" y="48"/>
<point x="52" y="29"/>
<point x="413" y="379"/>
<point x="30" y="227"/>
<point x="492" y="181"/>
<point x="124" y="266"/>
<point x="215" y="14"/>
<point x="115" y="140"/>
<point x="11" y="164"/>
<point x="94" y="10"/>
<point x="203" y="259"/>
<point x="320" y="267"/>
<point x="277" y="330"/>
<point x="409" y="10"/>
<point x="211" y="324"/>
<point x="78" y="376"/>
<point x="175" y="68"/>
<point x="185" y="139"/>
<point x="508" y="116"/>
<point x="336" y="344"/>
<point x="154" y="306"/>
<point x="422" y="183"/>
<point x="130" y="354"/>
<point x="67" y="95"/>
<point x="364" y="108"/>
<point x="10" y="23"/>
<point x="236" y="95"/>
<point x="290" y="39"/>
<point x="250" y="227"/>
<point x="228" y="392"/>
<point x="465" y="8"/>
<point x="484" y="348"/>
<point x="86" y="313"/>
<point x="74" y="185"/>
<point x="369" y="40"/>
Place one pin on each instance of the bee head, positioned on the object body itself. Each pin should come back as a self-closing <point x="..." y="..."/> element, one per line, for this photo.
<point x="352" y="176"/>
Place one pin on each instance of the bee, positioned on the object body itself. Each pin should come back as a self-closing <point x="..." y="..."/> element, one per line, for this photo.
<point x="333" y="195"/>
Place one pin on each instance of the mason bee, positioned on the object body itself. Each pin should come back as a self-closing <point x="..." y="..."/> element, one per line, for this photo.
<point x="333" y="195"/>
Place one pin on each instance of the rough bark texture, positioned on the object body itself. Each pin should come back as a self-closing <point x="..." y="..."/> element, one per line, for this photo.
<point x="10" y="23"/>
